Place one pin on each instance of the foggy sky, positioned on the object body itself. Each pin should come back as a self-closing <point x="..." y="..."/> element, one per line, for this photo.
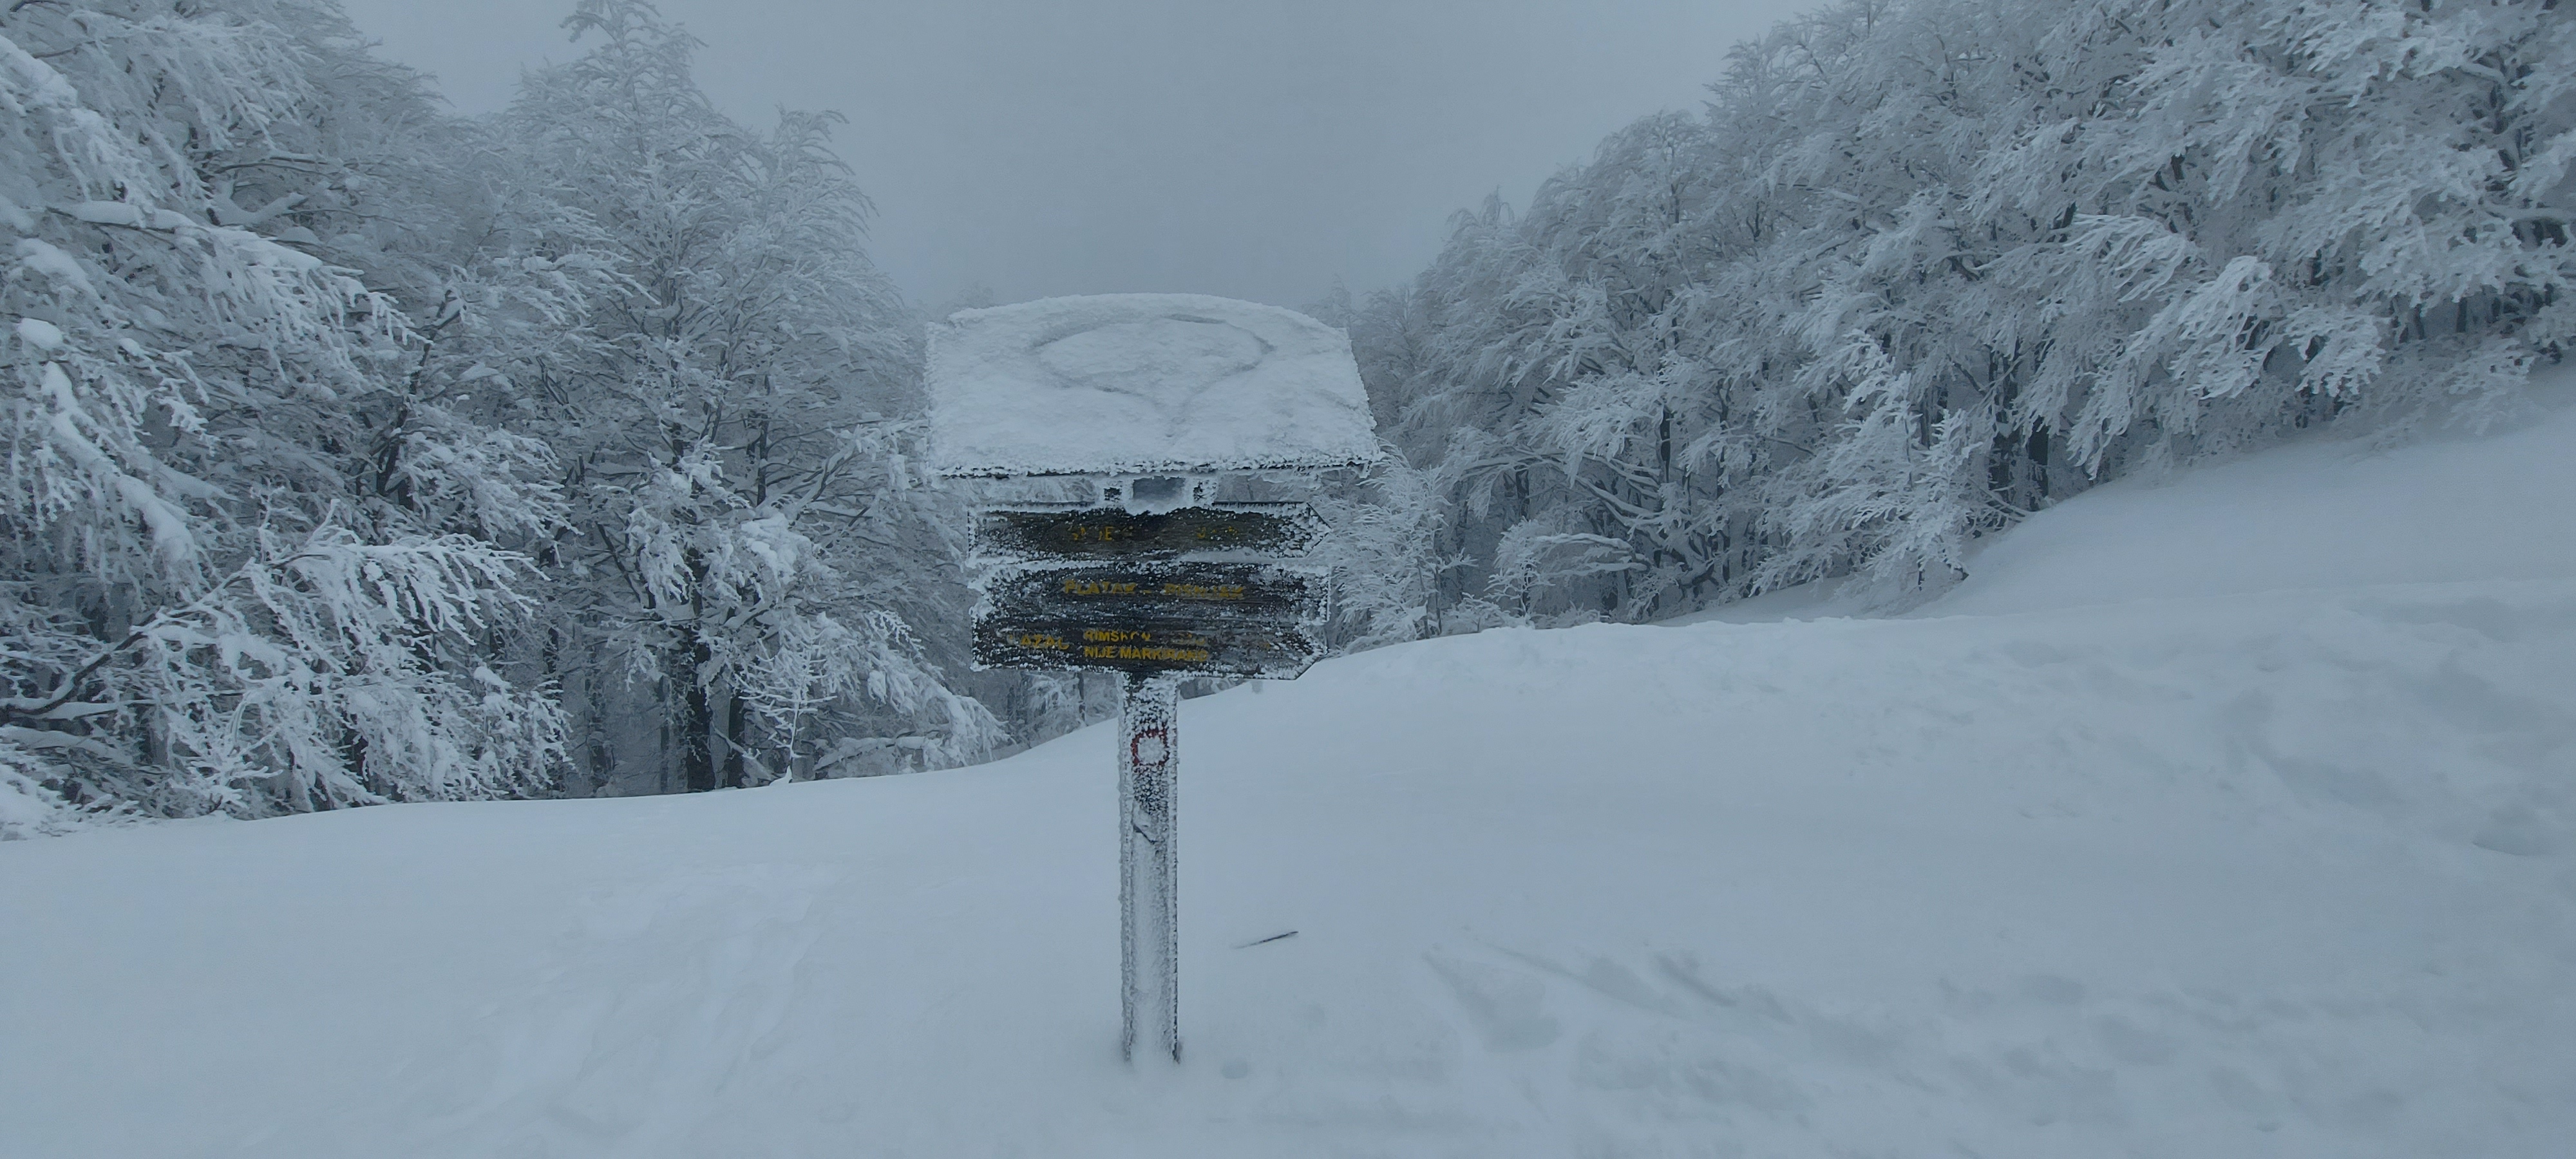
<point x="1040" y="147"/>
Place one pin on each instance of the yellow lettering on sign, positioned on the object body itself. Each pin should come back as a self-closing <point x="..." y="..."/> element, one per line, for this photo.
<point x="1143" y="652"/>
<point x="1204" y="591"/>
<point x="1113" y="635"/>
<point x="1082" y="587"/>
<point x="1043" y="641"/>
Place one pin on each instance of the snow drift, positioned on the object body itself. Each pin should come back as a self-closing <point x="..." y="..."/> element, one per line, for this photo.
<point x="2116" y="865"/>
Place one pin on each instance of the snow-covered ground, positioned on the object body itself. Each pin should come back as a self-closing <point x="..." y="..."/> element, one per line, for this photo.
<point x="2234" y="816"/>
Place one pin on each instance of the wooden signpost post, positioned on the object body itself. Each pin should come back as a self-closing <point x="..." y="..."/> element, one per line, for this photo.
<point x="1157" y="598"/>
<point x="1149" y="403"/>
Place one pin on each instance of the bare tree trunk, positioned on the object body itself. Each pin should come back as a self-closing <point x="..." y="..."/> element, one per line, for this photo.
<point x="737" y="741"/>
<point x="697" y="720"/>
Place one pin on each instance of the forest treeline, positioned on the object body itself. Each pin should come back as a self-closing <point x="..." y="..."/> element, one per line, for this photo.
<point x="357" y="451"/>
<point x="1921" y="268"/>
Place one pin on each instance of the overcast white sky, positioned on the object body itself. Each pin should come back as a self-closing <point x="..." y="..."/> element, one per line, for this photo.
<point x="1254" y="150"/>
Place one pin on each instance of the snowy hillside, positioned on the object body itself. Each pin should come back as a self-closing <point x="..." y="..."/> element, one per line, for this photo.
<point x="2145" y="843"/>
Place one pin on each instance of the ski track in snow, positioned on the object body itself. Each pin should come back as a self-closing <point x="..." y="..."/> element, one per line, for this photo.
<point x="2263" y="873"/>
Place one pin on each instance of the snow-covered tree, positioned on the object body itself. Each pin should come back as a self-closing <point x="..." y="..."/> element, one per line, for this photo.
<point x="734" y="428"/>
<point x="211" y="599"/>
<point x="1386" y="558"/>
<point x="1923" y="267"/>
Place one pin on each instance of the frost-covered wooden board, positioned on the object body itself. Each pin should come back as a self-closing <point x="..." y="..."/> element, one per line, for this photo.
<point x="1147" y="646"/>
<point x="1270" y="529"/>
<point x="1143" y="383"/>
<point x="1215" y="619"/>
<point x="1176" y="590"/>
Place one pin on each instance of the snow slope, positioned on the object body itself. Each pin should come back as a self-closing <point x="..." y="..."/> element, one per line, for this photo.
<point x="2330" y="513"/>
<point x="2182" y="868"/>
<point x="2324" y="515"/>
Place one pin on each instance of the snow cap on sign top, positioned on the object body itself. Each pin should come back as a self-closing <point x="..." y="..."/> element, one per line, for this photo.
<point x="1133" y="383"/>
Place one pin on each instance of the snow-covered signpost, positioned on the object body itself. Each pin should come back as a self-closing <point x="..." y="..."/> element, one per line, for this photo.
<point x="1141" y="411"/>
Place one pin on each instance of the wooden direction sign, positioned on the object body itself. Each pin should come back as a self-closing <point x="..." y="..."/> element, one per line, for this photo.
<point x="1180" y="617"/>
<point x="1267" y="529"/>
<point x="1145" y="398"/>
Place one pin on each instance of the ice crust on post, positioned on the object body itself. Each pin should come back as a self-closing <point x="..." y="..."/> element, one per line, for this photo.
<point x="1132" y="383"/>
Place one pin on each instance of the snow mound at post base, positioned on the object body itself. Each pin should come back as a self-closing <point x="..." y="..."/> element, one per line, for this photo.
<point x="1121" y="383"/>
<point x="2281" y="873"/>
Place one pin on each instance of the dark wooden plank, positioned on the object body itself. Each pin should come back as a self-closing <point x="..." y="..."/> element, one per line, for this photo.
<point x="1273" y="651"/>
<point x="1216" y="618"/>
<point x="1106" y="533"/>
<point x="1215" y="591"/>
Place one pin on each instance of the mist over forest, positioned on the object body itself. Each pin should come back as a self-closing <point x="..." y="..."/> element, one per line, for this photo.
<point x="358" y="451"/>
